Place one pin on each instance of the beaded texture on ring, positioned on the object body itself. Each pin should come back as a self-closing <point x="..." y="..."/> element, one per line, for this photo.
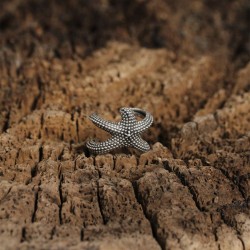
<point x="126" y="133"/>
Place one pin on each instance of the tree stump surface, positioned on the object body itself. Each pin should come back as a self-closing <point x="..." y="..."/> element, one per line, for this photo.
<point x="187" y="63"/>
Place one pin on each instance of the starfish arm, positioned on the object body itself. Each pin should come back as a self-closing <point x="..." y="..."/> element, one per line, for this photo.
<point x="128" y="117"/>
<point x="144" y="124"/>
<point x="108" y="126"/>
<point x="104" y="147"/>
<point x="138" y="143"/>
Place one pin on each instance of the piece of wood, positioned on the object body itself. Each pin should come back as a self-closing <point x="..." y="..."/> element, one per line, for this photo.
<point x="191" y="191"/>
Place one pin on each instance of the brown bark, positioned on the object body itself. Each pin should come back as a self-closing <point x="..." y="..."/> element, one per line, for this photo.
<point x="185" y="62"/>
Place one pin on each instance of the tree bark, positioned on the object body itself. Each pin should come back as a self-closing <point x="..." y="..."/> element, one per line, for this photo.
<point x="185" y="63"/>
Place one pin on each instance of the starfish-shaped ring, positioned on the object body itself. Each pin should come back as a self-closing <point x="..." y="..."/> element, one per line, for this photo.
<point x="126" y="133"/>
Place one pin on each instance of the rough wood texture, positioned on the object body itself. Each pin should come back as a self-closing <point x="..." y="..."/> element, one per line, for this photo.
<point x="186" y="62"/>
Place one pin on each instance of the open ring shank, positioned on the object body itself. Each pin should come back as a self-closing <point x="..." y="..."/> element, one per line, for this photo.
<point x="139" y="111"/>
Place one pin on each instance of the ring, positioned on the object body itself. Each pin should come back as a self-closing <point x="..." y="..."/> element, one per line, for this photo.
<point x="126" y="133"/>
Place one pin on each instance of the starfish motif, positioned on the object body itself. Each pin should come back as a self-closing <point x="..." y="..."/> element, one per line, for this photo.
<point x="126" y="133"/>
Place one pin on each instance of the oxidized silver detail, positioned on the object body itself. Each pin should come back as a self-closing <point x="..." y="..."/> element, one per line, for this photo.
<point x="126" y="133"/>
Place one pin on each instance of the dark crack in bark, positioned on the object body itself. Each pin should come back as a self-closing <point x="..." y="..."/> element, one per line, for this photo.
<point x="148" y="217"/>
<point x="100" y="203"/>
<point x="35" y="205"/>
<point x="186" y="184"/>
<point x="60" y="176"/>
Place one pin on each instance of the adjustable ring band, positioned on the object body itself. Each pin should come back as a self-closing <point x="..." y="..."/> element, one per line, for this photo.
<point x="139" y="111"/>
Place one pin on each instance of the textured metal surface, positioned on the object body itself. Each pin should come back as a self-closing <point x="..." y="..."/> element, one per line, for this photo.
<point x="126" y="133"/>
